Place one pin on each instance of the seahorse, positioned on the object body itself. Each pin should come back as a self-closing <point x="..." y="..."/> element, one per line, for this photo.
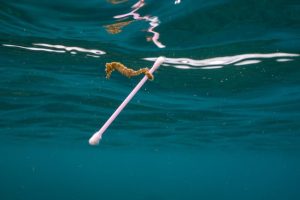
<point x="110" y="67"/>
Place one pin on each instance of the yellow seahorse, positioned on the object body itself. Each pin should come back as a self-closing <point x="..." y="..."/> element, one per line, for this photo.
<point x="110" y="67"/>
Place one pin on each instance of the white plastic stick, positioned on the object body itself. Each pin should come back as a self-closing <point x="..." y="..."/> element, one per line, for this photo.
<point x="94" y="140"/>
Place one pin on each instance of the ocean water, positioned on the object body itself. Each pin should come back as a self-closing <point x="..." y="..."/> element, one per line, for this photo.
<point x="219" y="121"/>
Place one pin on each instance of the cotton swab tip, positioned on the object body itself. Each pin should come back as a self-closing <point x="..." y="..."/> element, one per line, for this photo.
<point x="94" y="140"/>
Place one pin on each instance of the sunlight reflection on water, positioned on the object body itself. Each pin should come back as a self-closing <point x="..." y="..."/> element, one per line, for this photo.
<point x="60" y="49"/>
<point x="219" y="62"/>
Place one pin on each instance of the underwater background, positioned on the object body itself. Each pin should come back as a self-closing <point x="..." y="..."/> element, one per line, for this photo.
<point x="219" y="121"/>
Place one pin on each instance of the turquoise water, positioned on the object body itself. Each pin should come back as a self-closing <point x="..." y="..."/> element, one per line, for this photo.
<point x="220" y="120"/>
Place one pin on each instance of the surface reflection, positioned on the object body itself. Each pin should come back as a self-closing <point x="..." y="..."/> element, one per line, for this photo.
<point x="116" y="1"/>
<point x="219" y="62"/>
<point x="152" y="20"/>
<point x="59" y="49"/>
<point x="116" y="28"/>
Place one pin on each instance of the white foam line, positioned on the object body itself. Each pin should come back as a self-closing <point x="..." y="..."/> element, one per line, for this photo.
<point x="183" y="67"/>
<point x="223" y="61"/>
<point x="80" y="49"/>
<point x="284" y="60"/>
<point x="34" y="48"/>
<point x="212" y="67"/>
<point x="247" y="62"/>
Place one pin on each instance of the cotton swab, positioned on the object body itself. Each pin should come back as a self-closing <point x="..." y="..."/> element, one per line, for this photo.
<point x="94" y="140"/>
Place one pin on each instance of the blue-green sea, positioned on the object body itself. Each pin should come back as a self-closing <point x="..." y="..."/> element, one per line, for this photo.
<point x="220" y="120"/>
